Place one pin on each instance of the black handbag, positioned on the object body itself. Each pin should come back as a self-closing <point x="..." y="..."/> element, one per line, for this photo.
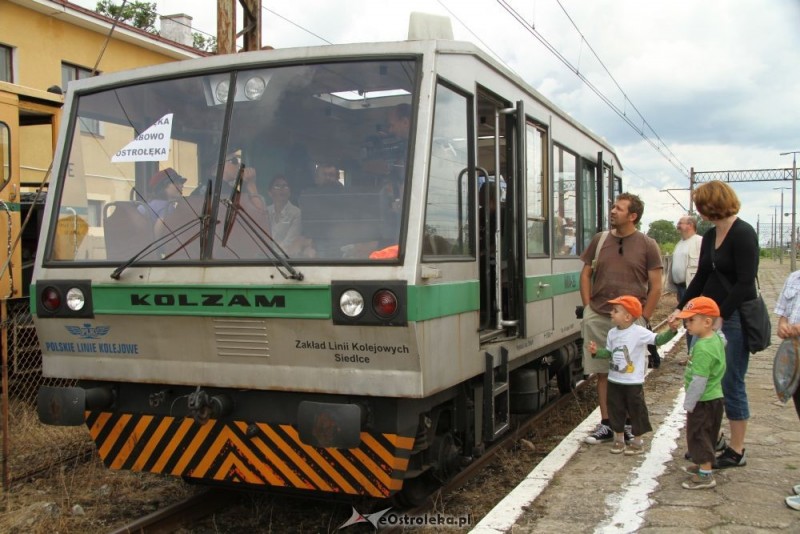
<point x="756" y="323"/>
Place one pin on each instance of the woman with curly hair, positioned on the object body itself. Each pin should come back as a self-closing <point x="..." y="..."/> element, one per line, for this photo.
<point x="727" y="274"/>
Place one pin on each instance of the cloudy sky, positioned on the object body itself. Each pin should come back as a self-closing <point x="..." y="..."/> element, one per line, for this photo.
<point x="715" y="85"/>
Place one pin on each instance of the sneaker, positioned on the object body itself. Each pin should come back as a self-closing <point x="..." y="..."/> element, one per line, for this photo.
<point x="793" y="502"/>
<point x="628" y="434"/>
<point x="729" y="458"/>
<point x="797" y="489"/>
<point x="633" y="449"/>
<point x="618" y="447"/>
<point x="601" y="433"/>
<point x="700" y="482"/>
<point x="692" y="469"/>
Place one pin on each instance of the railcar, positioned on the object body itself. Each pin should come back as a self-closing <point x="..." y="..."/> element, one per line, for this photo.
<point x="371" y="339"/>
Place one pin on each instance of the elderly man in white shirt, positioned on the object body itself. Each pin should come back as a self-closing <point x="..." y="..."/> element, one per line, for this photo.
<point x="685" y="257"/>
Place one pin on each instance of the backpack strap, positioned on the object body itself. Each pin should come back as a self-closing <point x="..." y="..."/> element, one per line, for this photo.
<point x="603" y="237"/>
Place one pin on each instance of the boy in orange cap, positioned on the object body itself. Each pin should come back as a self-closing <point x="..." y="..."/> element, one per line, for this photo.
<point x="703" y="377"/>
<point x="626" y="347"/>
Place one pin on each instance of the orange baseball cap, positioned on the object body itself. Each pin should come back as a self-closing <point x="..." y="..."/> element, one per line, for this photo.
<point x="630" y="303"/>
<point x="699" y="306"/>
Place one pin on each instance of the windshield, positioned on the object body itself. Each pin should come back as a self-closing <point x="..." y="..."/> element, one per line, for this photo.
<point x="307" y="162"/>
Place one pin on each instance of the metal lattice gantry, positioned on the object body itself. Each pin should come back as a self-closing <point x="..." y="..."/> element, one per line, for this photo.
<point x="748" y="175"/>
<point x="756" y="175"/>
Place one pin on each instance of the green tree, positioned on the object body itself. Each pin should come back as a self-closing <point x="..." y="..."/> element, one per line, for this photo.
<point x="663" y="232"/>
<point x="704" y="226"/>
<point x="141" y="15"/>
<point x="205" y="43"/>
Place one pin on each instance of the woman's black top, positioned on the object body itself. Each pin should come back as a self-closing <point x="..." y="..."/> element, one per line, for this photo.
<point x="736" y="259"/>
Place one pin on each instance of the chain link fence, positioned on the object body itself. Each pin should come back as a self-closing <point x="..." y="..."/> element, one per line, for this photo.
<point x="28" y="446"/>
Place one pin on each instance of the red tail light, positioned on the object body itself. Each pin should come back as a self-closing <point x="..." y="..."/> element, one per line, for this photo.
<point x="51" y="299"/>
<point x="384" y="303"/>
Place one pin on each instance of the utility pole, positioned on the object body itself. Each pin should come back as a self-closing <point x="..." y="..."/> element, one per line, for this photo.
<point x="774" y="233"/>
<point x="226" y="25"/>
<point x="782" y="216"/>
<point x="794" y="207"/>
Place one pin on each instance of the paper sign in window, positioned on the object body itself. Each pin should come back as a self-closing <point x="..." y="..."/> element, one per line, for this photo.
<point x="150" y="145"/>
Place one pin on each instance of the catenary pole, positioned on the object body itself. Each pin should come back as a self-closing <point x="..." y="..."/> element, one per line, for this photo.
<point x="793" y="257"/>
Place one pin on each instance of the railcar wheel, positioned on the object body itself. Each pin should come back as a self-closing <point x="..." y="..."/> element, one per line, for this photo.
<point x="415" y="491"/>
<point x="566" y="378"/>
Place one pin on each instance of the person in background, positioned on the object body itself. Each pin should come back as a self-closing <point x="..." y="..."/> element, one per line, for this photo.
<point x="165" y="189"/>
<point x="326" y="179"/>
<point x="250" y="199"/>
<point x="626" y="348"/>
<point x="703" y="378"/>
<point x="788" y="310"/>
<point x="399" y="120"/>
<point x="285" y="218"/>
<point x="727" y="275"/>
<point x="629" y="263"/>
<point x="685" y="259"/>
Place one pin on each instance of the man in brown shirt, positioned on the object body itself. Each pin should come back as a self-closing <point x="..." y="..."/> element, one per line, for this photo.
<point x="629" y="263"/>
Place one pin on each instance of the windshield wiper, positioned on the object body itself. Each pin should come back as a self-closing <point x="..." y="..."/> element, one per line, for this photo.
<point x="255" y="231"/>
<point x="155" y="245"/>
<point x="202" y="219"/>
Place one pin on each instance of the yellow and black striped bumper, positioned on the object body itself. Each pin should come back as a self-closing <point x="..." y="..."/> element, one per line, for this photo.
<point x="249" y="453"/>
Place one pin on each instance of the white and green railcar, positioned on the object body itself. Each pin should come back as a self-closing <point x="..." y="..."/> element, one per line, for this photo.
<point x="376" y="337"/>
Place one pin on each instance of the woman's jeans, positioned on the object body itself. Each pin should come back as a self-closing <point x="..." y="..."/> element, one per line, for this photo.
<point x="737" y="358"/>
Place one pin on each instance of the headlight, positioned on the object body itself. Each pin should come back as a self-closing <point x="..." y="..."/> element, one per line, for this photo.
<point x="351" y="303"/>
<point x="254" y="88"/>
<point x="221" y="91"/>
<point x="75" y="299"/>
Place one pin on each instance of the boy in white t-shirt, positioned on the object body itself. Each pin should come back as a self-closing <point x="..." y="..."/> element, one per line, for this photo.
<point x="626" y="348"/>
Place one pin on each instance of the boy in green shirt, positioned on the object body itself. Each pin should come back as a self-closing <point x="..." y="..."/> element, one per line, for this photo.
<point x="704" y="402"/>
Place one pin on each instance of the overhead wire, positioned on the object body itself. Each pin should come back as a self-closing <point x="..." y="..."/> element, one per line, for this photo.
<point x="621" y="90"/>
<point x="295" y="24"/>
<point x="659" y="146"/>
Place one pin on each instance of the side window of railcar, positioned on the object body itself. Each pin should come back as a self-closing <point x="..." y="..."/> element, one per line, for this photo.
<point x="565" y="201"/>
<point x="589" y="196"/>
<point x="536" y="177"/>
<point x="611" y="188"/>
<point x="447" y="229"/>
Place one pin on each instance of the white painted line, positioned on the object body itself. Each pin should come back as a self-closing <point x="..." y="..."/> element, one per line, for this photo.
<point x="629" y="505"/>
<point x="506" y="513"/>
<point x="503" y="516"/>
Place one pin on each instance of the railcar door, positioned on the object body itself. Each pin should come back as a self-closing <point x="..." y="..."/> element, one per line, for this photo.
<point x="500" y="195"/>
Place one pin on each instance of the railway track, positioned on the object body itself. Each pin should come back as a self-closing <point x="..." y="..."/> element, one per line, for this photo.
<point x="202" y="504"/>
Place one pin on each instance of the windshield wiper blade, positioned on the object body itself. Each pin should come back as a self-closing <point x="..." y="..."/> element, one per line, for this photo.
<point x="202" y="219"/>
<point x="155" y="245"/>
<point x="257" y="232"/>
<point x="234" y="200"/>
